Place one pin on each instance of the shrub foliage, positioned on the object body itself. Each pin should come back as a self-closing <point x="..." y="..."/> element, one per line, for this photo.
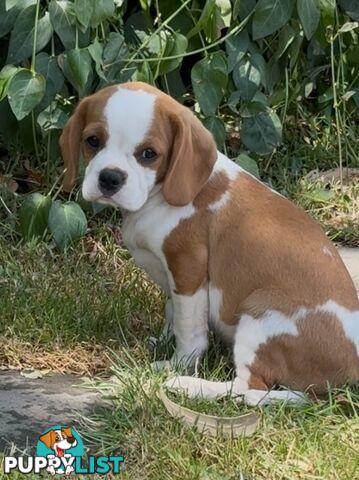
<point x="243" y="57"/>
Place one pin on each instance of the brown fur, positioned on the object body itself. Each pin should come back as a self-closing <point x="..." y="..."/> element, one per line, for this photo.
<point x="264" y="253"/>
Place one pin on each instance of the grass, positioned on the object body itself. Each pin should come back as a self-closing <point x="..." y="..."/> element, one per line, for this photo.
<point x="98" y="308"/>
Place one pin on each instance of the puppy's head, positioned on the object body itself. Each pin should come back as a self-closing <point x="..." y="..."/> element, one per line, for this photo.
<point x="134" y="137"/>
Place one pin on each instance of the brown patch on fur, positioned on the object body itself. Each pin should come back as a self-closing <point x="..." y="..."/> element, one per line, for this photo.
<point x="276" y="256"/>
<point x="186" y="248"/>
<point x="320" y="354"/>
<point x="88" y="114"/>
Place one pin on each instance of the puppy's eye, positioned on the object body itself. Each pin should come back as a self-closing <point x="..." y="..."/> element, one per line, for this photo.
<point x="93" y="142"/>
<point x="57" y="438"/>
<point x="148" y="154"/>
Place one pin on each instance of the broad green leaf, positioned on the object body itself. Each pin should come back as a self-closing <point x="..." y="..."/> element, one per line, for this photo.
<point x="6" y="76"/>
<point x="320" y="195"/>
<point x="351" y="8"/>
<point x="224" y="8"/>
<point x="245" y="8"/>
<point x="236" y="48"/>
<point x="327" y="19"/>
<point x="102" y="9"/>
<point x="63" y="20"/>
<point x="216" y="126"/>
<point x="77" y="67"/>
<point x="270" y="16"/>
<point x="309" y="14"/>
<point x="176" y="45"/>
<point x="52" y="118"/>
<point x="25" y="92"/>
<point x="115" y="49"/>
<point x="209" y="80"/>
<point x="9" y="13"/>
<point x="203" y="20"/>
<point x="22" y="35"/>
<point x="247" y="79"/>
<point x="286" y="37"/>
<point x="96" y="51"/>
<point x="248" y="164"/>
<point x="67" y="223"/>
<point x="33" y="215"/>
<point x="262" y="132"/>
<point x="84" y="10"/>
<point x="49" y="69"/>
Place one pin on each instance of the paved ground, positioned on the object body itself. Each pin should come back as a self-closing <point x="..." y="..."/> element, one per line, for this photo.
<point x="27" y="407"/>
<point x="350" y="257"/>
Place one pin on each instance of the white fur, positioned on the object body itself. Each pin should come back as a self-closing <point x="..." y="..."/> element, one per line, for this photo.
<point x="128" y="115"/>
<point x="224" y="164"/>
<point x="219" y="204"/>
<point x="215" y="323"/>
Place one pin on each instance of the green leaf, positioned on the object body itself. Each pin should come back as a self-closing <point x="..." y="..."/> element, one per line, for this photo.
<point x="176" y="45"/>
<point x="262" y="132"/>
<point x="115" y="49"/>
<point x="270" y="16"/>
<point x="203" y="20"/>
<point x="63" y="20"/>
<point x="224" y="8"/>
<point x="247" y="79"/>
<point x="49" y="69"/>
<point x="9" y="13"/>
<point x="22" y="35"/>
<point x="309" y="15"/>
<point x="321" y="195"/>
<point x="96" y="51"/>
<point x="25" y="92"/>
<point x="6" y="75"/>
<point x="236" y="47"/>
<point x="52" y="118"/>
<point x="286" y="37"/>
<point x="77" y="67"/>
<point x="67" y="223"/>
<point x="209" y="80"/>
<point x="351" y="8"/>
<point x="33" y="215"/>
<point x="102" y="9"/>
<point x="216" y="126"/>
<point x="248" y="164"/>
<point x="84" y="10"/>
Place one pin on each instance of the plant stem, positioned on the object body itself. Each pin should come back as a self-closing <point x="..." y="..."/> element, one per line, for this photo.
<point x="33" y="61"/>
<point x="335" y="105"/>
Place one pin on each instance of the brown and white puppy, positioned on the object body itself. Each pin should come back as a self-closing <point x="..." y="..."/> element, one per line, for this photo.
<point x="232" y="254"/>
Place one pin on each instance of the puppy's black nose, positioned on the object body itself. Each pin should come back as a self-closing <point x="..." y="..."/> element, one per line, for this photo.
<point x="111" y="180"/>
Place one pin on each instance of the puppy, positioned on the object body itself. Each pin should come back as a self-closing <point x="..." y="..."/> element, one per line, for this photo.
<point x="59" y="441"/>
<point x="231" y="254"/>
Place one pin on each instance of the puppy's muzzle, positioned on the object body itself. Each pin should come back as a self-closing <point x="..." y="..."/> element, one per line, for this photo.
<point x="111" y="180"/>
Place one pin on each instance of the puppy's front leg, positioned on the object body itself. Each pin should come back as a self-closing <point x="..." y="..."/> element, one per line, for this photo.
<point x="190" y="326"/>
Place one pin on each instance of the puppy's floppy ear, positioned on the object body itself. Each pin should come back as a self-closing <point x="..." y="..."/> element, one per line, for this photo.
<point x="48" y="439"/>
<point x="192" y="157"/>
<point x="70" y="143"/>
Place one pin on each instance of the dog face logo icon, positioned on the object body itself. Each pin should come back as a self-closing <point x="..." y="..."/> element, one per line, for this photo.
<point x="60" y="444"/>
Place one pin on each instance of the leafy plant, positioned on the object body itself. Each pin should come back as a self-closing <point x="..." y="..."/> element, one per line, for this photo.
<point x="39" y="214"/>
<point x="245" y="66"/>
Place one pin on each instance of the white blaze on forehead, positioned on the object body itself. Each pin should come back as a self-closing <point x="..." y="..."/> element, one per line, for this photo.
<point x="129" y="115"/>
